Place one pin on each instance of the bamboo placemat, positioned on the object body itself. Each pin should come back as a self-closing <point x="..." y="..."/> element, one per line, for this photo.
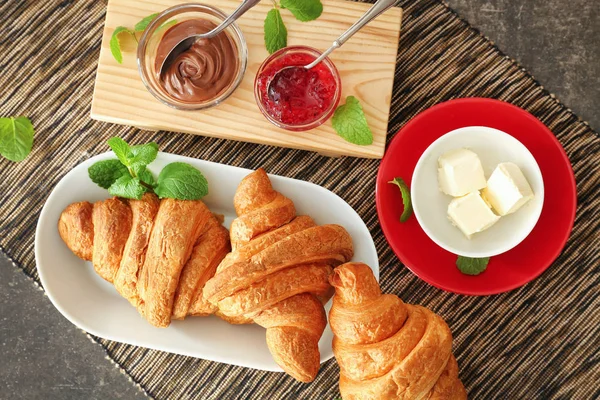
<point x="540" y="341"/>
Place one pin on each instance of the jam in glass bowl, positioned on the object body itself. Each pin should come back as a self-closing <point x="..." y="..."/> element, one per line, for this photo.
<point x="297" y="99"/>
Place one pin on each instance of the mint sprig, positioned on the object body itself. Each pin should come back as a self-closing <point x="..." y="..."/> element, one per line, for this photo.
<point x="406" y="200"/>
<point x="472" y="266"/>
<point x="128" y="175"/>
<point x="275" y="32"/>
<point x="350" y="122"/>
<point x="16" y="138"/>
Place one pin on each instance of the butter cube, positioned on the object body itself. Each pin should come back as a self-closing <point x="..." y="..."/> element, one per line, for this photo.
<point x="507" y="189"/>
<point x="460" y="172"/>
<point x="471" y="214"/>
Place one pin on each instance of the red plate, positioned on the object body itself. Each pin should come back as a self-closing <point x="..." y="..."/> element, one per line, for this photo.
<point x="506" y="271"/>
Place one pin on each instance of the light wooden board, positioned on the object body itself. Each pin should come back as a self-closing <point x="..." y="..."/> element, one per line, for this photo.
<point x="366" y="63"/>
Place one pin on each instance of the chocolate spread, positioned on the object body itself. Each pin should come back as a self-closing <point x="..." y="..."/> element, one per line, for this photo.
<point x="204" y="70"/>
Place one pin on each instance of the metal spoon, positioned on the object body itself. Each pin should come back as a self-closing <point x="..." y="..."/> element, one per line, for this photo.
<point x="187" y="42"/>
<point x="378" y="8"/>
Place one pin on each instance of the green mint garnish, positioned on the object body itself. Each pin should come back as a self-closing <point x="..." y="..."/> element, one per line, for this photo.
<point x="143" y="154"/>
<point x="16" y="138"/>
<point x="472" y="266"/>
<point x="275" y="31"/>
<point x="115" y="43"/>
<point x="406" y="201"/>
<point x="181" y="181"/>
<point x="133" y="156"/>
<point x="127" y="187"/>
<point x="304" y="10"/>
<point x="350" y="122"/>
<point x="128" y="175"/>
<point x="145" y="176"/>
<point x="144" y="22"/>
<point x="105" y="173"/>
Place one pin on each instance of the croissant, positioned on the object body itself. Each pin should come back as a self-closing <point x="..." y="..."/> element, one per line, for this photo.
<point x="277" y="274"/>
<point x="157" y="253"/>
<point x="387" y="349"/>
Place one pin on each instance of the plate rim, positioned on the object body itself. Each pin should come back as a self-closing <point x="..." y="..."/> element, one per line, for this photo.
<point x="466" y="101"/>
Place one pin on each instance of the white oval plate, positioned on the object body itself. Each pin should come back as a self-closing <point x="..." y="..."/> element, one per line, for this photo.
<point x="430" y="204"/>
<point x="94" y="305"/>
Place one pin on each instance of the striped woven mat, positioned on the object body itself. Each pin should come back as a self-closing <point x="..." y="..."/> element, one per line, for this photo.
<point x="540" y="341"/>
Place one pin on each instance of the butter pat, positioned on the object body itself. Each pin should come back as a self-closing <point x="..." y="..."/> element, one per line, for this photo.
<point x="507" y="189"/>
<point x="460" y="172"/>
<point x="471" y="214"/>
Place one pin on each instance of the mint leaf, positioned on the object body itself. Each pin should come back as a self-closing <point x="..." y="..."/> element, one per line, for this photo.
<point x="143" y="24"/>
<point x="16" y="137"/>
<point x="304" y="10"/>
<point x="472" y="266"/>
<point x="127" y="187"/>
<point x="121" y="149"/>
<point x="350" y="122"/>
<point x="406" y="201"/>
<point x="130" y="178"/>
<point x="275" y="31"/>
<point x="145" y="176"/>
<point x="115" y="44"/>
<point x="142" y="154"/>
<point x="105" y="173"/>
<point x="181" y="181"/>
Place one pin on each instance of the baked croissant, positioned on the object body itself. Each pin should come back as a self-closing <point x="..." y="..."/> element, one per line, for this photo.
<point x="387" y="349"/>
<point x="277" y="274"/>
<point x="157" y="253"/>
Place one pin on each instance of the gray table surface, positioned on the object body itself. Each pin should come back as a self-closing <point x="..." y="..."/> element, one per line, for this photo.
<point x="44" y="356"/>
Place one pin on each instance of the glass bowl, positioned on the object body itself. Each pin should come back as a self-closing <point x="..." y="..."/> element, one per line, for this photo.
<point x="146" y="53"/>
<point x="260" y="94"/>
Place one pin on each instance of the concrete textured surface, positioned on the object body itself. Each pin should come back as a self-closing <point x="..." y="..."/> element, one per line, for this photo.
<point x="558" y="41"/>
<point x="44" y="356"/>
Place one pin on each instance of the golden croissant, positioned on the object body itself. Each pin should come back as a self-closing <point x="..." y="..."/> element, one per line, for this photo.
<point x="277" y="274"/>
<point x="387" y="349"/>
<point x="157" y="253"/>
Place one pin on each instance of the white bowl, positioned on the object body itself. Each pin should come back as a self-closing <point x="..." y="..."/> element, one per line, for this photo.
<point x="94" y="305"/>
<point x="430" y="204"/>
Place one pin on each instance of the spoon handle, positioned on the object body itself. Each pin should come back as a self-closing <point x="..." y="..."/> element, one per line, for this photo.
<point x="245" y="6"/>
<point x="378" y="8"/>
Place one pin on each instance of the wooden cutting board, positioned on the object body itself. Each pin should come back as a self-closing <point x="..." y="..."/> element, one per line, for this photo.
<point x="366" y="64"/>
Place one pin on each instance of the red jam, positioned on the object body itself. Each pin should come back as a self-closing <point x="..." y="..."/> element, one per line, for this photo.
<point x="296" y="96"/>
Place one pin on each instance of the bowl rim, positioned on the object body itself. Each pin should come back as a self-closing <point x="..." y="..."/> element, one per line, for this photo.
<point x="234" y="32"/>
<point x="518" y="237"/>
